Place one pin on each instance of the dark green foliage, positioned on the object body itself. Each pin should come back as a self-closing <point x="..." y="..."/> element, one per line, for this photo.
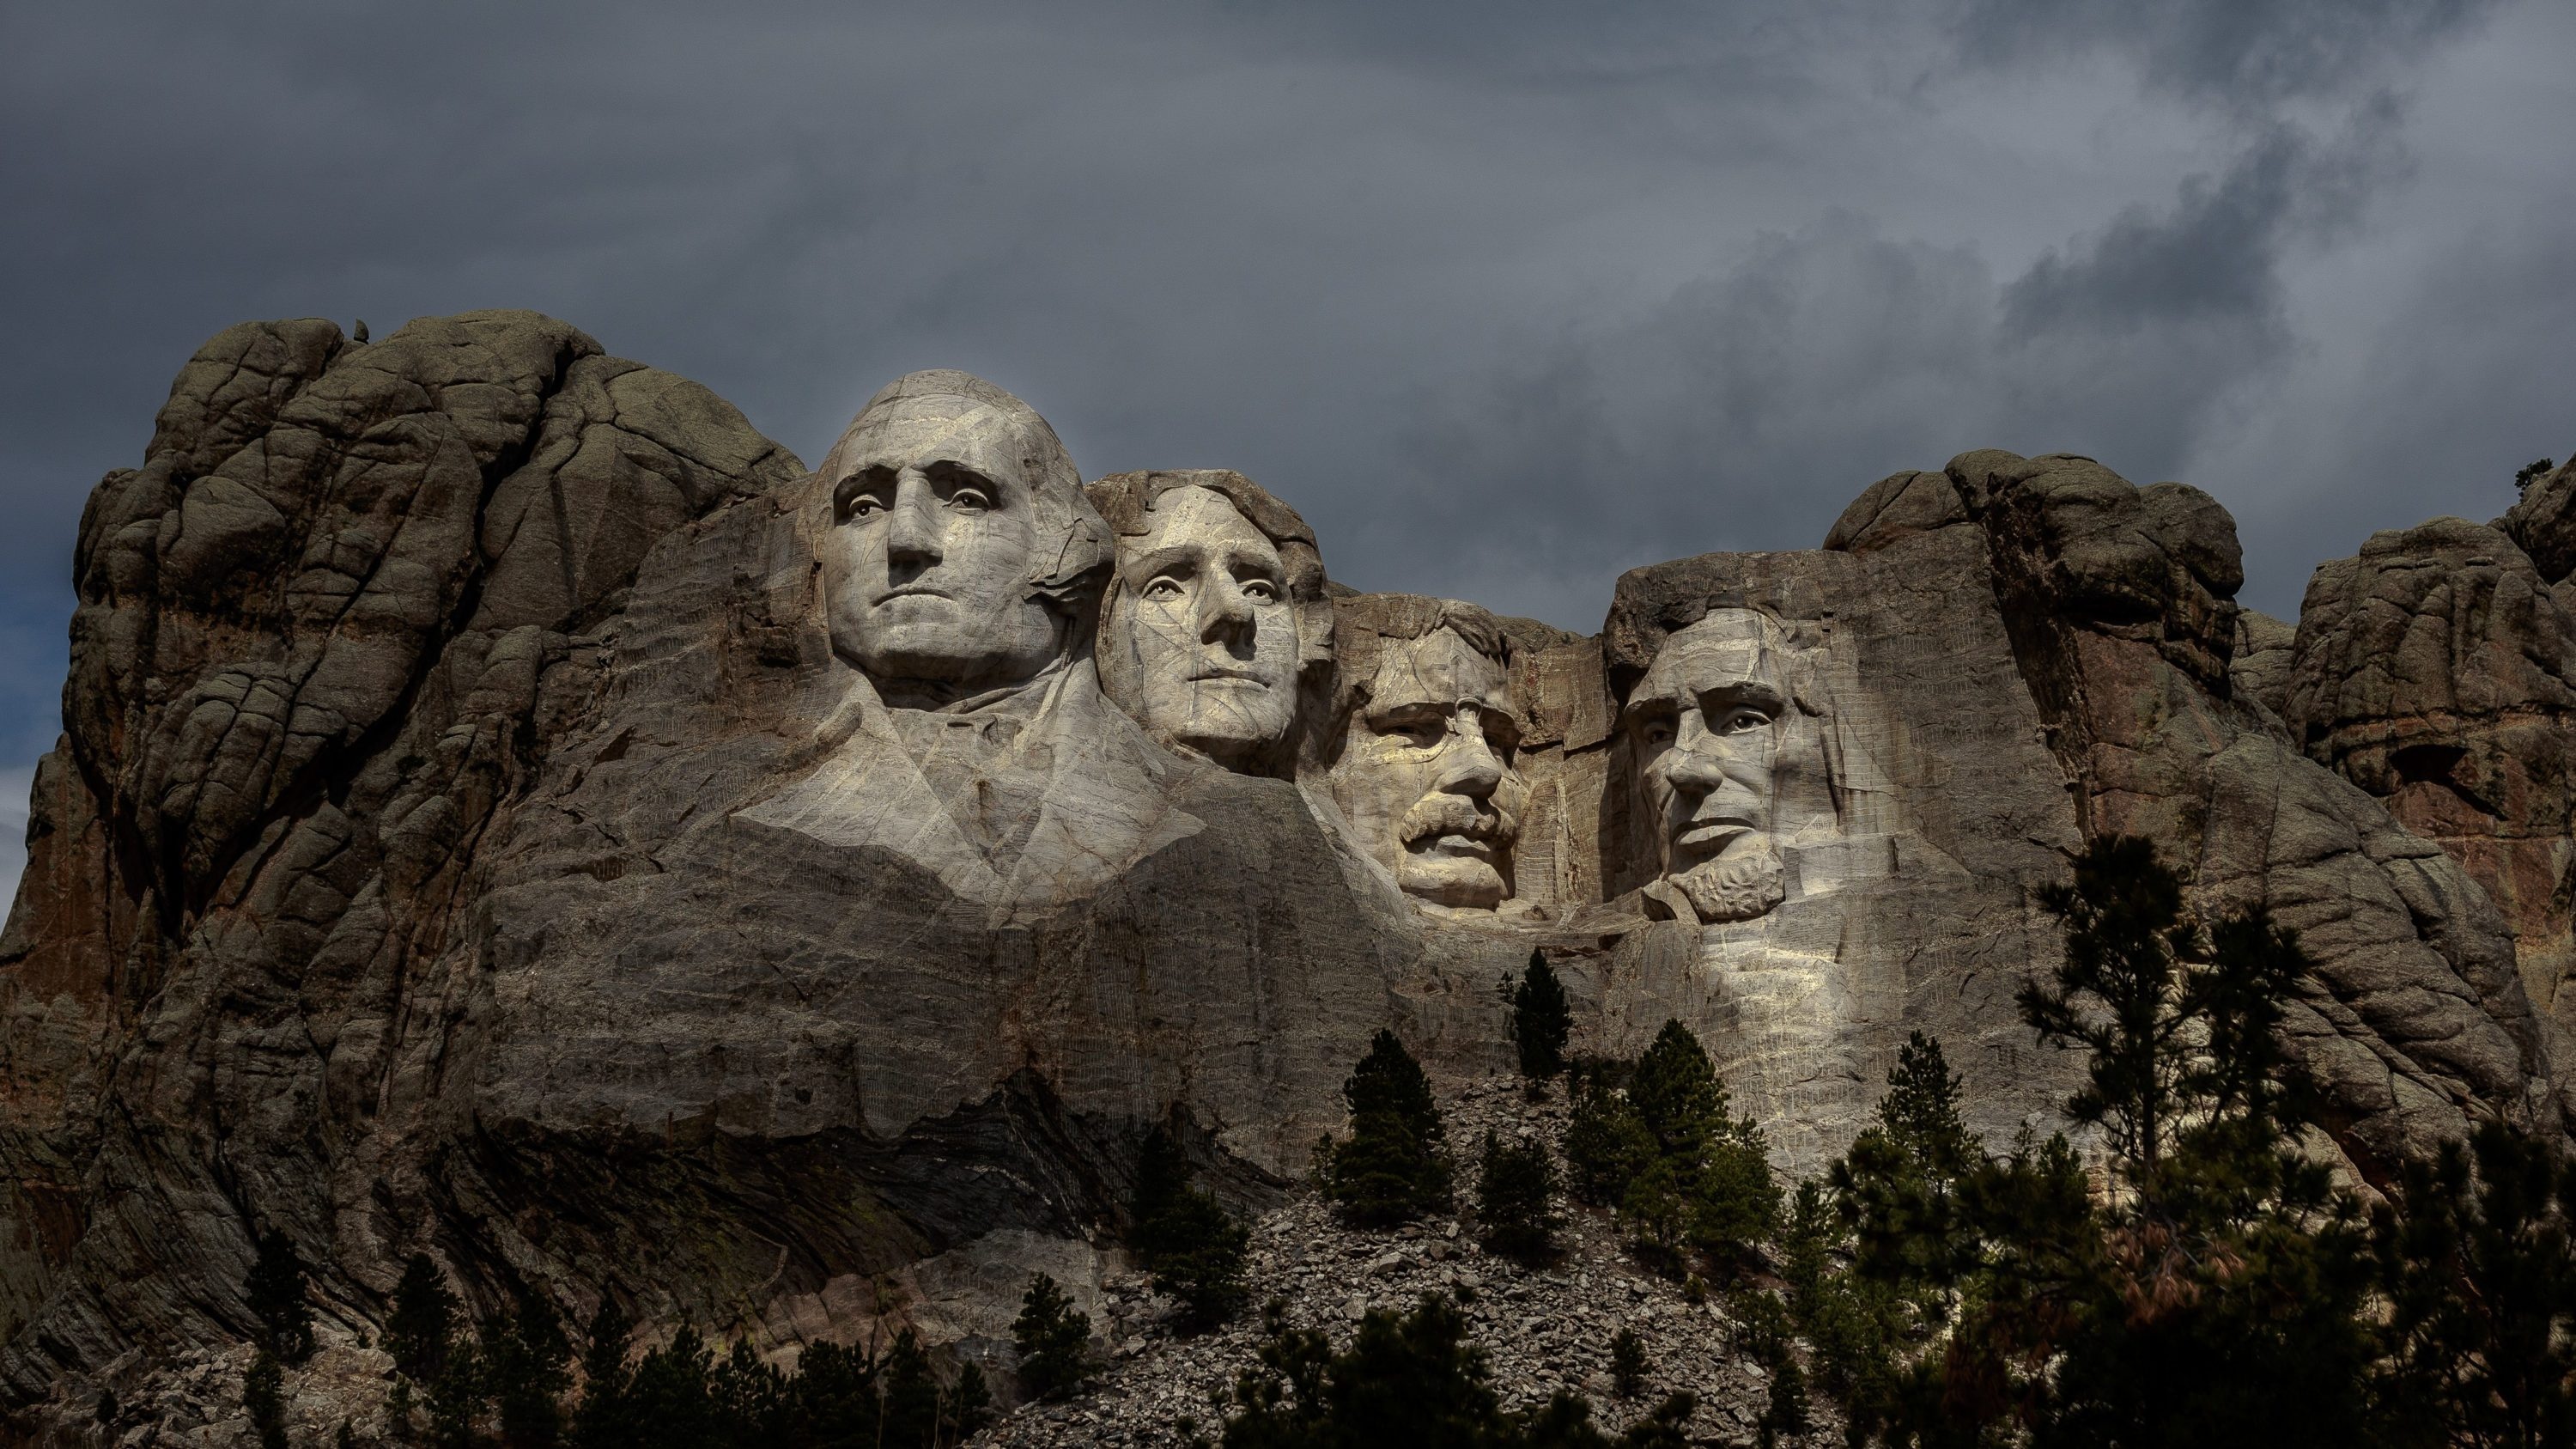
<point x="1784" y="1416"/>
<point x="1541" y="1020"/>
<point x="1394" y="1168"/>
<point x="2476" y="1261"/>
<point x="275" y="1290"/>
<point x="1410" y="1381"/>
<point x="606" y="1417"/>
<point x="524" y="1361"/>
<point x="1054" y="1340"/>
<point x="1183" y="1237"/>
<point x="508" y="1384"/>
<point x="2524" y="475"/>
<point x="264" y="1395"/>
<point x="1708" y="1185"/>
<point x="1515" y="1213"/>
<point x="1628" y="1364"/>
<point x="1606" y="1142"/>
<point x="422" y="1323"/>
<point x="347" y="1438"/>
<point x="105" y="1412"/>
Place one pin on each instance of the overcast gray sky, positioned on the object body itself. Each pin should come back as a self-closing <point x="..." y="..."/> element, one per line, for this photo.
<point x="1505" y="296"/>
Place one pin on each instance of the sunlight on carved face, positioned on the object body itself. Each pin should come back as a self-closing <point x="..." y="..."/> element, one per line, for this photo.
<point x="928" y="560"/>
<point x="1706" y="722"/>
<point x="1426" y="777"/>
<point x="1206" y="621"/>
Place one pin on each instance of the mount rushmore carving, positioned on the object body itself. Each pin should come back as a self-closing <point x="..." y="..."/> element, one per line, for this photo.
<point x="510" y="809"/>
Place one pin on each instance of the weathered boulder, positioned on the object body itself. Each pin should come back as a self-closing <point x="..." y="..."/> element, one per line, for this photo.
<point x="2437" y="671"/>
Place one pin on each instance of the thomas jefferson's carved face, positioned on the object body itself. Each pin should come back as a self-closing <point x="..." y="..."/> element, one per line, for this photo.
<point x="1705" y="724"/>
<point x="1425" y="775"/>
<point x="928" y="562"/>
<point x="1205" y="619"/>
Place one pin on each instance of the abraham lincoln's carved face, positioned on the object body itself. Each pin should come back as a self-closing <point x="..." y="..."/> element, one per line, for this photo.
<point x="1705" y="726"/>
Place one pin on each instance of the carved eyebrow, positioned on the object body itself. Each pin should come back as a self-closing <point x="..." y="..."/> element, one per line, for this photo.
<point x="948" y="475"/>
<point x="1740" y="692"/>
<point x="862" y="480"/>
<point x="1178" y="557"/>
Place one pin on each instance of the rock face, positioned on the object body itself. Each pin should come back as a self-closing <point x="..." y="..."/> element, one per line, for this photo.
<point x="511" y="810"/>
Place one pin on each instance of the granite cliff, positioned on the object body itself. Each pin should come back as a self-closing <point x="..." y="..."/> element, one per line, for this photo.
<point x="509" y="809"/>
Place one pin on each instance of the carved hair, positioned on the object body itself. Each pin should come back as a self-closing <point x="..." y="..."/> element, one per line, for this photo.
<point x="1366" y="623"/>
<point x="1073" y="553"/>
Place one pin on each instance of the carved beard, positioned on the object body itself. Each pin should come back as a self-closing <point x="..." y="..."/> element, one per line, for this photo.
<point x="1737" y="886"/>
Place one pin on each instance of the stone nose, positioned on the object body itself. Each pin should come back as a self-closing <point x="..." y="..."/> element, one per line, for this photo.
<point x="1695" y="767"/>
<point x="913" y="532"/>
<point x="1468" y="766"/>
<point x="1225" y="615"/>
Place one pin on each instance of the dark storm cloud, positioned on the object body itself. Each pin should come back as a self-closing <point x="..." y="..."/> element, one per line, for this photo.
<point x="1503" y="297"/>
<point x="2236" y="53"/>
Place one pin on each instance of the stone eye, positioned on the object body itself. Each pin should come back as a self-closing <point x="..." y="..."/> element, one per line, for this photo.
<point x="1743" y="721"/>
<point x="969" y="500"/>
<point x="1261" y="591"/>
<point x="1657" y="732"/>
<point x="1163" y="587"/>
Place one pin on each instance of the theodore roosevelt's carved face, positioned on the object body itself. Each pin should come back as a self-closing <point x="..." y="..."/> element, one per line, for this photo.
<point x="1705" y="726"/>
<point x="1425" y="774"/>
<point x="932" y="545"/>
<point x="1203" y="614"/>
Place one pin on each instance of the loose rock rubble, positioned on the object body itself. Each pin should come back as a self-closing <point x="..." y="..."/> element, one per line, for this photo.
<point x="1541" y="1330"/>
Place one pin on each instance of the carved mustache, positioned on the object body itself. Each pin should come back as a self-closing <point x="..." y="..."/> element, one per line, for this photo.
<point x="1442" y="814"/>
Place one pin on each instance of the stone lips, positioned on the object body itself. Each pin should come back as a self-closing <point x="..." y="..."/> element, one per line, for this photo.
<point x="422" y="868"/>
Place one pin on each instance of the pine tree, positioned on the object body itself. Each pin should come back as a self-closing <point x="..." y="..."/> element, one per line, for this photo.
<point x="1514" y="1186"/>
<point x="1054" y="1340"/>
<point x="422" y="1322"/>
<point x="275" y="1290"/>
<point x="264" y="1396"/>
<point x="1541" y="1020"/>
<point x="1628" y="1364"/>
<point x="526" y="1359"/>
<point x="606" y="1419"/>
<point x="1709" y="1183"/>
<point x="2476" y="1258"/>
<point x="1184" y="1238"/>
<point x="1606" y="1142"/>
<point x="1394" y="1167"/>
<point x="2227" y="1298"/>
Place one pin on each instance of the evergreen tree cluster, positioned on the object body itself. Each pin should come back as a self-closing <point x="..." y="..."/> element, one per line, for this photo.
<point x="2216" y="1289"/>
<point x="1394" y="1167"/>
<point x="1183" y="1237"/>
<point x="1409" y="1381"/>
<point x="1657" y="1141"/>
<point x="508" y="1382"/>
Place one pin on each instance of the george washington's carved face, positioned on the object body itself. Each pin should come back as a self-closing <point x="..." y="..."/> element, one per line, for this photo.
<point x="1425" y="775"/>
<point x="1203" y="615"/>
<point x="932" y="545"/>
<point x="1704" y="727"/>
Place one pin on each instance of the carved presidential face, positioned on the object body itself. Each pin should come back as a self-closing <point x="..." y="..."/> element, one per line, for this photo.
<point x="928" y="560"/>
<point x="1209" y="637"/>
<point x="1425" y="774"/>
<point x="1705" y="726"/>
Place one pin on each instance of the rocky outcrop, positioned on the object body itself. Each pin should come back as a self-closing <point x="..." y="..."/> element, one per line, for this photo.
<point x="482" y="829"/>
<point x="2434" y="670"/>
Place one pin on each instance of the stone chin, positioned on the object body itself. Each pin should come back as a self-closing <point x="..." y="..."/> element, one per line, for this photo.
<point x="1745" y="882"/>
<point x="1230" y="721"/>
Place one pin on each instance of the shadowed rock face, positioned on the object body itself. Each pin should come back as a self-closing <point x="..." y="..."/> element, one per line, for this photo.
<point x="491" y="821"/>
